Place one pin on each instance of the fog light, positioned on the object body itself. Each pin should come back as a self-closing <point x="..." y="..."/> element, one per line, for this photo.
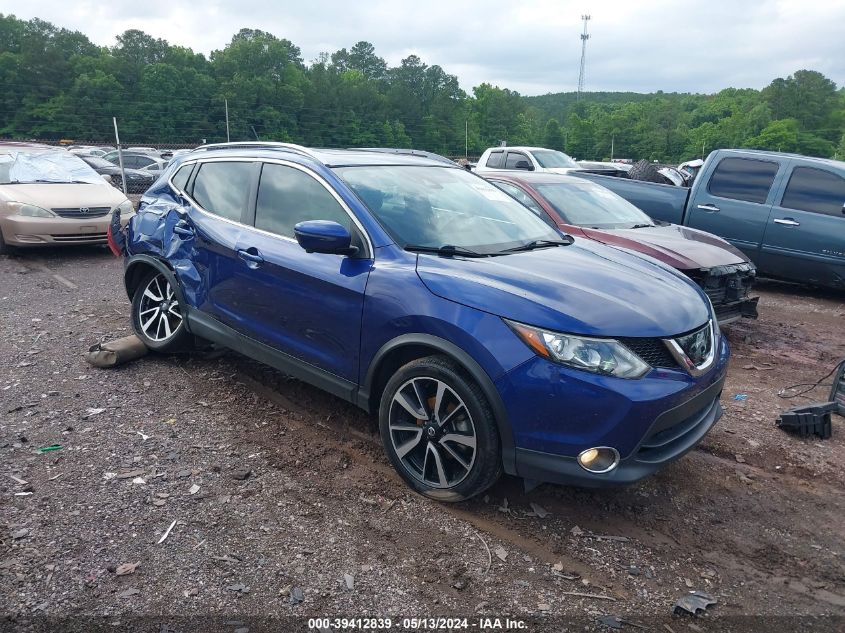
<point x="601" y="459"/>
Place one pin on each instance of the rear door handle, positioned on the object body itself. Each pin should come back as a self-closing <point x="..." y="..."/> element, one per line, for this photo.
<point x="709" y="208"/>
<point x="183" y="229"/>
<point x="786" y="222"/>
<point x="251" y="256"/>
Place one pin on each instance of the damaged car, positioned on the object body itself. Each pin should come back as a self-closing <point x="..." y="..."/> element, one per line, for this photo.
<point x="585" y="209"/>
<point x="49" y="196"/>
<point x="483" y="339"/>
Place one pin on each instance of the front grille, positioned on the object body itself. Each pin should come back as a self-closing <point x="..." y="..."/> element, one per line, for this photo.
<point x="697" y="345"/>
<point x="665" y="443"/>
<point x="82" y="212"/>
<point x="81" y="237"/>
<point x="651" y="350"/>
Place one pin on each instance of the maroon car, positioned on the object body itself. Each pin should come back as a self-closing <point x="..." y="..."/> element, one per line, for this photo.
<point x="585" y="209"/>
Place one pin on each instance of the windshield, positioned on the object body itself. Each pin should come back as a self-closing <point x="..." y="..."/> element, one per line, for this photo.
<point x="591" y="205"/>
<point x="442" y="206"/>
<point x="52" y="166"/>
<point x="549" y="158"/>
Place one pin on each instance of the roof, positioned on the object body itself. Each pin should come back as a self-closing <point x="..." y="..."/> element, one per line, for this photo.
<point x="762" y="152"/>
<point x="524" y="148"/>
<point x="17" y="146"/>
<point x="326" y="156"/>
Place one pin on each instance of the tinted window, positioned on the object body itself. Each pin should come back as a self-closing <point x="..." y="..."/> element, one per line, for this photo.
<point x="514" y="158"/>
<point x="553" y="158"/>
<point x="287" y="196"/>
<point x="223" y="188"/>
<point x="181" y="177"/>
<point x="743" y="179"/>
<point x="521" y="196"/>
<point x="495" y="159"/>
<point x="815" y="190"/>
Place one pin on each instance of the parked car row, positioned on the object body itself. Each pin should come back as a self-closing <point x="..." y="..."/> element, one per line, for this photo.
<point x="485" y="339"/>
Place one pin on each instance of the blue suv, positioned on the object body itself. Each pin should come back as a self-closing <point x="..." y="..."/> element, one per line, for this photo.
<point x="485" y="340"/>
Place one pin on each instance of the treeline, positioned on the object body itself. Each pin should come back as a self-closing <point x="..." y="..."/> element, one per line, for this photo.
<point x="57" y="84"/>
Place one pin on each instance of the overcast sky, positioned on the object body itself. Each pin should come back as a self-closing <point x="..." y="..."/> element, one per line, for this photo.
<point x="532" y="46"/>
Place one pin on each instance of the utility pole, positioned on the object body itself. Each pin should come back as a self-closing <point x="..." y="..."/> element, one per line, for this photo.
<point x="612" y="141"/>
<point x="466" y="139"/>
<point x="119" y="155"/>
<point x="584" y="38"/>
<point x="226" y="103"/>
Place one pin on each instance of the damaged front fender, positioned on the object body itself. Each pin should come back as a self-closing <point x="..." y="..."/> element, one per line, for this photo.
<point x="153" y="239"/>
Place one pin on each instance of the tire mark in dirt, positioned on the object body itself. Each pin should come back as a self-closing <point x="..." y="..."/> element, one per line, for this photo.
<point x="35" y="264"/>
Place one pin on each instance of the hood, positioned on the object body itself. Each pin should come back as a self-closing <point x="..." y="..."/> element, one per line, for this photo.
<point x="60" y="195"/>
<point x="585" y="288"/>
<point x="677" y="246"/>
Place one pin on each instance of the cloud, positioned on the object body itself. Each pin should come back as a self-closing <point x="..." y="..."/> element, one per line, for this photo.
<point x="533" y="47"/>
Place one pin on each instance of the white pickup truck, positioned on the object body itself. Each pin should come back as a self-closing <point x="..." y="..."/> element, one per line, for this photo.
<point x="525" y="158"/>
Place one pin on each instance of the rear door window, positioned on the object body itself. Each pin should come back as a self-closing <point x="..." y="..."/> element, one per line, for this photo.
<point x="222" y="188"/>
<point x="743" y="179"/>
<point x="514" y="158"/>
<point x="287" y="196"/>
<point x="495" y="159"/>
<point x="815" y="190"/>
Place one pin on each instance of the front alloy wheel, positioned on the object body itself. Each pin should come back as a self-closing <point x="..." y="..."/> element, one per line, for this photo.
<point x="439" y="431"/>
<point x="432" y="432"/>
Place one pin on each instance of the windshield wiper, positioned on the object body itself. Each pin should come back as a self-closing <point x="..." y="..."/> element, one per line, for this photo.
<point x="530" y="246"/>
<point x="642" y="226"/>
<point x="447" y="250"/>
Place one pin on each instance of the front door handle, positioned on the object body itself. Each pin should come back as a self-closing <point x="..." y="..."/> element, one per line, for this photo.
<point x="709" y="208"/>
<point x="786" y="222"/>
<point x="251" y="256"/>
<point x="183" y="229"/>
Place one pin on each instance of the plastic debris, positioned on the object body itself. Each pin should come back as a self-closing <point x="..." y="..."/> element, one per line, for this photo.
<point x="693" y="602"/>
<point x="812" y="419"/>
<point x="741" y="396"/>
<point x="53" y="447"/>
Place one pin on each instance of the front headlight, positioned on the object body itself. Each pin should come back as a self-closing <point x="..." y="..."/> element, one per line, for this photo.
<point x="596" y="355"/>
<point x="31" y="211"/>
<point x="126" y="207"/>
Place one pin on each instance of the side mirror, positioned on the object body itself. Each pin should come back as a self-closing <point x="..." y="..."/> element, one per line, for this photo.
<point x="106" y="177"/>
<point x="524" y="164"/>
<point x="323" y="236"/>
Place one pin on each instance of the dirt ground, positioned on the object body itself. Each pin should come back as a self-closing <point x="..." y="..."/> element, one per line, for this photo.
<point x="281" y="505"/>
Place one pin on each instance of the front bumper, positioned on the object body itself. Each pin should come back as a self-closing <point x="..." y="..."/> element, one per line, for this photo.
<point x="557" y="412"/>
<point x="728" y="288"/>
<point x="24" y="231"/>
<point x="672" y="435"/>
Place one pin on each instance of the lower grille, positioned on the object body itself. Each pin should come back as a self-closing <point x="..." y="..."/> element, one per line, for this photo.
<point x="652" y="350"/>
<point x="665" y="443"/>
<point x="80" y="237"/>
<point x="82" y="212"/>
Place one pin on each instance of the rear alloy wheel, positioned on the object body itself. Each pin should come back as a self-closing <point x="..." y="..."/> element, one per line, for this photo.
<point x="157" y="315"/>
<point x="438" y="430"/>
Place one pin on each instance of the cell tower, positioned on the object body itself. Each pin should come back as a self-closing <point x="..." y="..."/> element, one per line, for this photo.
<point x="584" y="37"/>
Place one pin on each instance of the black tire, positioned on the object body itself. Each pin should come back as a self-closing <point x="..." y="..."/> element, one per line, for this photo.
<point x="153" y="327"/>
<point x="5" y="249"/>
<point x="462" y="412"/>
<point x="644" y="170"/>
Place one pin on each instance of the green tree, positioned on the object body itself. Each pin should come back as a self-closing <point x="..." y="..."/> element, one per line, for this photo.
<point x="553" y="137"/>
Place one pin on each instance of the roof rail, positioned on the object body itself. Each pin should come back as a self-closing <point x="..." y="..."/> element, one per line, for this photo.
<point x="405" y="152"/>
<point x="299" y="149"/>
